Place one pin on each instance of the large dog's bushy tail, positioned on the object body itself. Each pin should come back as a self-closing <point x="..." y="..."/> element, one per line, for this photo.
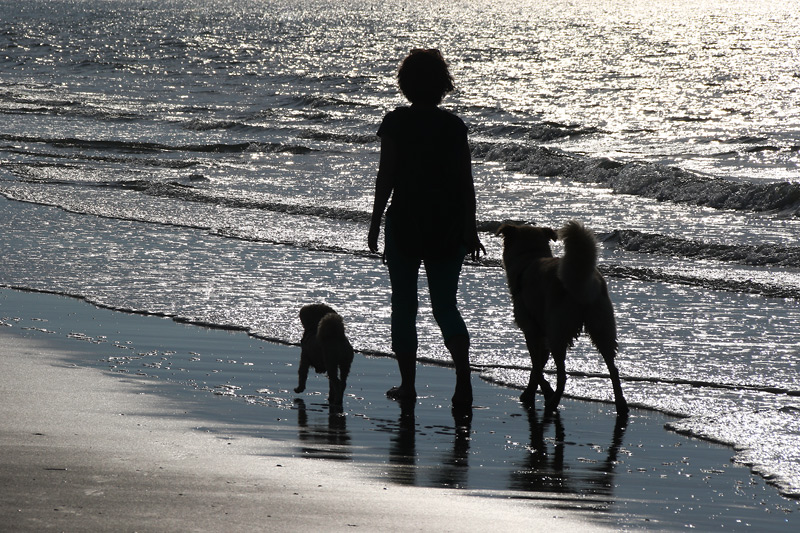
<point x="576" y="270"/>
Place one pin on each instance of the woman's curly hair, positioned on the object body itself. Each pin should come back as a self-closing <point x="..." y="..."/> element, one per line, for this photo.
<point x="424" y="77"/>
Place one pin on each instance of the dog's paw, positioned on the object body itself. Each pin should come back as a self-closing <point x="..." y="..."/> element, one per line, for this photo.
<point x="528" y="396"/>
<point x="298" y="390"/>
<point x="547" y="390"/>
<point x="551" y="406"/>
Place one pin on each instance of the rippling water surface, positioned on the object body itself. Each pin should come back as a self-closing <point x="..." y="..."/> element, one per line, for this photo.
<point x="214" y="161"/>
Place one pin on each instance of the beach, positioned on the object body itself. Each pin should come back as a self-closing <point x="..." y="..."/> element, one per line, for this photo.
<point x="178" y="179"/>
<point x="87" y="453"/>
<point x="87" y="447"/>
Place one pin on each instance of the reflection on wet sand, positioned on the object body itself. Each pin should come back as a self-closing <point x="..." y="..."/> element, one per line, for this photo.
<point x="403" y="447"/>
<point x="404" y="467"/>
<point x="536" y="456"/>
<point x="323" y="441"/>
<point x="454" y="469"/>
<point x="545" y="470"/>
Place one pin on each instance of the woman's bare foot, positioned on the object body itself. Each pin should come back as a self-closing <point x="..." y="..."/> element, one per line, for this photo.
<point x="463" y="394"/>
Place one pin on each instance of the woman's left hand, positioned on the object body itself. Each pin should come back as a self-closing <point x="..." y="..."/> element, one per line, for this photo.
<point x="372" y="238"/>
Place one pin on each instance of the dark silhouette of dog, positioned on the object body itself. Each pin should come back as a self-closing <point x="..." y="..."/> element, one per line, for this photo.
<point x="325" y="348"/>
<point x="555" y="298"/>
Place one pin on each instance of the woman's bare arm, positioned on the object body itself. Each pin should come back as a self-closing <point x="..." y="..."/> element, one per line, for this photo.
<point x="384" y="184"/>
<point x="474" y="245"/>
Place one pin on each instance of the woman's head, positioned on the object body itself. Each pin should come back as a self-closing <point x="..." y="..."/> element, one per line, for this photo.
<point x="424" y="78"/>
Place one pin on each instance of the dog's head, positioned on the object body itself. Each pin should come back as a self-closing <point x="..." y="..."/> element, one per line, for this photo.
<point x="527" y="240"/>
<point x="311" y="314"/>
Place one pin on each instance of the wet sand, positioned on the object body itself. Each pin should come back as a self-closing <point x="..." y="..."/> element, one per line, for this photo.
<point x="114" y="421"/>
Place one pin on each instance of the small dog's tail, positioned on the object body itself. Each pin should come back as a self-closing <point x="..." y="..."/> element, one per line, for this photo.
<point x="338" y="353"/>
<point x="577" y="267"/>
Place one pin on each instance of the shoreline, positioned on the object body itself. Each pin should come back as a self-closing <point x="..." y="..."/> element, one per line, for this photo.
<point x="116" y="460"/>
<point x="581" y="470"/>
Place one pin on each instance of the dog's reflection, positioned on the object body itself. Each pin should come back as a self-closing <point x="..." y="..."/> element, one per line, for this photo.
<point x="320" y="438"/>
<point x="544" y="469"/>
<point x="417" y="456"/>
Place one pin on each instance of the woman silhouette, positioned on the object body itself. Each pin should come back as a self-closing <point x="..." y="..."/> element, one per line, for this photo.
<point x="425" y="168"/>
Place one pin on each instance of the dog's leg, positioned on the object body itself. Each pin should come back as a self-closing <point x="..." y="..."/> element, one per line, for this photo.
<point x="559" y="356"/>
<point x="528" y="396"/>
<point x="309" y="356"/>
<point x="619" y="400"/>
<point x="539" y="356"/>
<point x="601" y="327"/>
<point x="342" y="388"/>
<point x="334" y="386"/>
<point x="344" y="371"/>
<point x="338" y="383"/>
<point x="302" y="374"/>
<point x="547" y="390"/>
<point x="332" y="354"/>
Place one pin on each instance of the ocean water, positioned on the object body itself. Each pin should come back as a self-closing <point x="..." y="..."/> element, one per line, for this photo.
<point x="214" y="161"/>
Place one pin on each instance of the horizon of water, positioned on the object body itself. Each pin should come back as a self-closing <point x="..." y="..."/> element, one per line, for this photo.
<point x="214" y="162"/>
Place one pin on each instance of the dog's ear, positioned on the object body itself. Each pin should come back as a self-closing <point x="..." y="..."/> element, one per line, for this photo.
<point x="551" y="234"/>
<point x="505" y="229"/>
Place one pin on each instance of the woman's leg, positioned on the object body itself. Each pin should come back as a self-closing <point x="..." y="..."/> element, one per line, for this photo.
<point x="459" y="351"/>
<point x="443" y="276"/>
<point x="404" y="274"/>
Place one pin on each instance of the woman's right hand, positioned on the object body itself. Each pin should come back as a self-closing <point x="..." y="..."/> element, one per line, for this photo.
<point x="475" y="246"/>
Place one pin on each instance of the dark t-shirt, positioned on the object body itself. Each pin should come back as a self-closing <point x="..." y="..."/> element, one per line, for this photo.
<point x="427" y="209"/>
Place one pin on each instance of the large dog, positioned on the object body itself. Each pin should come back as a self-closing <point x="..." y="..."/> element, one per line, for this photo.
<point x="555" y="298"/>
<point x="324" y="347"/>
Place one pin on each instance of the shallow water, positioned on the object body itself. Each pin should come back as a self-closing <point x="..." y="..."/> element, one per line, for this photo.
<point x="215" y="163"/>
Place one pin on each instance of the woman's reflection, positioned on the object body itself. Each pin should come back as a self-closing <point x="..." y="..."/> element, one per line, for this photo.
<point x="454" y="469"/>
<point x="403" y="447"/>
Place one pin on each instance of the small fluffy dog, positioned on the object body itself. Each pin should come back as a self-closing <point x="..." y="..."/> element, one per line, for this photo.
<point x="324" y="347"/>
<point x="555" y="298"/>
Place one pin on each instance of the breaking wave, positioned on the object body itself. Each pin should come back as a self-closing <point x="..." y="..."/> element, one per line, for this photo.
<point x="150" y="147"/>
<point x="541" y="131"/>
<point x="761" y="255"/>
<point x="193" y="188"/>
<point x="650" y="180"/>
